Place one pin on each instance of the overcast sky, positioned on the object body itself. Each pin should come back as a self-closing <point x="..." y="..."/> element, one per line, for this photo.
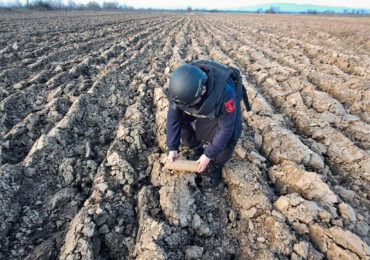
<point x="210" y="4"/>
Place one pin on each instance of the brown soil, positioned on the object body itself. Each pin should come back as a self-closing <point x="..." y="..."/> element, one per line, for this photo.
<point x="83" y="130"/>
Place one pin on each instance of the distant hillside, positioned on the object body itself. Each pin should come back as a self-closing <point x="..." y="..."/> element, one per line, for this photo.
<point x="287" y="7"/>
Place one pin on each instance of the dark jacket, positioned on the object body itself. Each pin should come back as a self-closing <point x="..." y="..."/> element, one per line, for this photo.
<point x="220" y="101"/>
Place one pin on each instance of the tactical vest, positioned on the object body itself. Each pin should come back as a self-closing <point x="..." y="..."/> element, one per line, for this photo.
<point x="217" y="76"/>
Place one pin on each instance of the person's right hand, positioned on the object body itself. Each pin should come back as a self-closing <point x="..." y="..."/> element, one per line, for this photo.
<point x="172" y="156"/>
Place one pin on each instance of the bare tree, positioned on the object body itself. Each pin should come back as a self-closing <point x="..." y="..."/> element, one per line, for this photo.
<point x="71" y="4"/>
<point x="17" y="3"/>
<point x="57" y="3"/>
<point x="271" y="10"/>
<point x="14" y="4"/>
<point x="40" y="5"/>
<point x="310" y="11"/>
<point x="94" y="6"/>
<point x="110" y="5"/>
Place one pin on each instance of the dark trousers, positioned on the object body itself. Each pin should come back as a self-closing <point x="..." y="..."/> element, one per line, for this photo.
<point x="205" y="129"/>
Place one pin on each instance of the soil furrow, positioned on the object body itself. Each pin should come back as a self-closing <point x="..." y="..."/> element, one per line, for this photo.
<point x="278" y="51"/>
<point x="189" y="205"/>
<point x="83" y="138"/>
<point x="21" y="137"/>
<point x="281" y="94"/>
<point x="251" y="196"/>
<point x="19" y="78"/>
<point x="77" y="39"/>
<point x="69" y="157"/>
<point x="362" y="200"/>
<point x="312" y="195"/>
<point x="348" y="62"/>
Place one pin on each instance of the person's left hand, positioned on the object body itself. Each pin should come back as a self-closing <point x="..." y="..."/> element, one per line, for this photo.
<point x="203" y="162"/>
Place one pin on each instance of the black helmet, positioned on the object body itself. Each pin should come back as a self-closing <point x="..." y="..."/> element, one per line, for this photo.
<point x="186" y="84"/>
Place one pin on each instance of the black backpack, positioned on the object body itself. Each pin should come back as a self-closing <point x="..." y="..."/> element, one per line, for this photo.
<point x="240" y="90"/>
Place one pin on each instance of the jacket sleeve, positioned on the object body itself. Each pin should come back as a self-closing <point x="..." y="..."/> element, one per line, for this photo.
<point x="226" y="127"/>
<point x="174" y="123"/>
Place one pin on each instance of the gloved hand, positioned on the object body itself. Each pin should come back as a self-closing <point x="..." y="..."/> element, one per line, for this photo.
<point x="172" y="156"/>
<point x="203" y="162"/>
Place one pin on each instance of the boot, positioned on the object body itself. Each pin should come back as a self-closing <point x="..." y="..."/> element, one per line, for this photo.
<point x="197" y="153"/>
<point x="216" y="174"/>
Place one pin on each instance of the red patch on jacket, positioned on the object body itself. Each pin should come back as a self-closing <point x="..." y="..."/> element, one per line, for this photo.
<point x="229" y="105"/>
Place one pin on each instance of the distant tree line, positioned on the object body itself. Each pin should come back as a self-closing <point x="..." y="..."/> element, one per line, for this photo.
<point x="354" y="11"/>
<point x="274" y="10"/>
<point x="45" y="5"/>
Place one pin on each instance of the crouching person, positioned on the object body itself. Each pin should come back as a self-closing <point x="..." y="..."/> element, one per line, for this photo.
<point x="204" y="105"/>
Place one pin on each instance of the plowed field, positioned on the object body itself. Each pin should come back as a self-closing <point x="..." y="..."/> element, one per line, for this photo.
<point x="83" y="130"/>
